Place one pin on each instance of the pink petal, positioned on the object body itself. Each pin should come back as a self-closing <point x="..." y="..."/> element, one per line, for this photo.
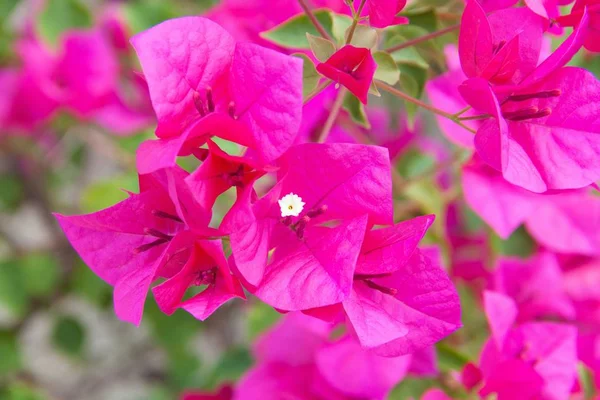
<point x="359" y="373"/>
<point x="266" y="87"/>
<point x="181" y="56"/>
<point x="353" y="68"/>
<point x="502" y="205"/>
<point x="475" y="42"/>
<point x="429" y="302"/>
<point x="322" y="264"/>
<point x="388" y="249"/>
<point x="382" y="13"/>
<point x="501" y="313"/>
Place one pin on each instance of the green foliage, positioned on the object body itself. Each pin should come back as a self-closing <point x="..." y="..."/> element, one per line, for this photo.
<point x="356" y="110"/>
<point x="387" y="70"/>
<point x="13" y="295"/>
<point x="231" y="366"/>
<point x="291" y="33"/>
<point x="10" y="361"/>
<point x="519" y="244"/>
<point x="310" y="76"/>
<point x="320" y="47"/>
<point x="61" y="15"/>
<point x="260" y="318"/>
<point x="20" y="391"/>
<point x="11" y="193"/>
<point x="106" y="193"/>
<point x="68" y="335"/>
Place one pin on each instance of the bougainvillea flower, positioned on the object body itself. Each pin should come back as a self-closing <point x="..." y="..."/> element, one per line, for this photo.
<point x="383" y="13"/>
<point x="358" y="373"/>
<point x="535" y="285"/>
<point x="353" y="68"/>
<point x="220" y="171"/>
<point x="582" y="284"/>
<point x="539" y="360"/>
<point x="403" y="311"/>
<point x="495" y="5"/>
<point x="502" y="48"/>
<point x="316" y="367"/>
<point x="202" y="84"/>
<point x="591" y="41"/>
<point x="206" y="265"/>
<point x="544" y="136"/>
<point x="349" y="183"/>
<point x="567" y="223"/>
<point x="563" y="222"/>
<point x="223" y="393"/>
<point x="146" y="236"/>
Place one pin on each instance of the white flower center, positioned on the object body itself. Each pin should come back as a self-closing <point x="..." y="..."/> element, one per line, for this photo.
<point x="291" y="205"/>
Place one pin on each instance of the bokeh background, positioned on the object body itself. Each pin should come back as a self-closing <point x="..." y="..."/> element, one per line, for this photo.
<point x="59" y="338"/>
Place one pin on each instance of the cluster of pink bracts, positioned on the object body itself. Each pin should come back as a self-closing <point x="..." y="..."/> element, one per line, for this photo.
<point x="321" y="245"/>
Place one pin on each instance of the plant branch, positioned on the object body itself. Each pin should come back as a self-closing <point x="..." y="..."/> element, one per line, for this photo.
<point x="333" y="114"/>
<point x="314" y="20"/>
<point x="356" y="18"/>
<point x="423" y="38"/>
<point x="392" y="90"/>
<point x="318" y="90"/>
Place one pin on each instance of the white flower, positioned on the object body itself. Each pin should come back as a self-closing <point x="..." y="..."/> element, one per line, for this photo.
<point x="291" y="205"/>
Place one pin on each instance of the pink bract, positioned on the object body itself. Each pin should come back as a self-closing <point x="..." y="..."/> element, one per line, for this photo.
<point x="203" y="84"/>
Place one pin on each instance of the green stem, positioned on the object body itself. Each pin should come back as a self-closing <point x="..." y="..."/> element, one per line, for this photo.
<point x="392" y="90"/>
<point x="461" y="112"/>
<point x="475" y="117"/>
<point x="356" y="18"/>
<point x="333" y="114"/>
<point x="423" y="38"/>
<point x="314" y="20"/>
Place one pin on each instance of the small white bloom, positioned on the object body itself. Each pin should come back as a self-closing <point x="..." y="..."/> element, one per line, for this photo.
<point x="291" y="205"/>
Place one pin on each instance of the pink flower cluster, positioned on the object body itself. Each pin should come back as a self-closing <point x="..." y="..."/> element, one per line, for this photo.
<point x="83" y="76"/>
<point x="336" y="255"/>
<point x="311" y="231"/>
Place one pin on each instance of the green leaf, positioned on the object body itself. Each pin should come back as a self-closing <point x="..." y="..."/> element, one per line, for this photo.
<point x="260" y="318"/>
<point x="356" y="109"/>
<point x="231" y="366"/>
<point x="61" y="15"/>
<point x="41" y="274"/>
<point x="340" y="26"/>
<point x="144" y="14"/>
<point x="68" y="335"/>
<point x="364" y="36"/>
<point x="6" y="7"/>
<point x="428" y="194"/>
<point x="423" y="17"/>
<point x="89" y="286"/>
<point x="519" y="244"/>
<point x="414" y="162"/>
<point x="449" y="358"/>
<point x="11" y="193"/>
<point x="320" y="47"/>
<point x="387" y="70"/>
<point x="11" y="357"/>
<point x="310" y="76"/>
<point x="13" y="295"/>
<point x="104" y="194"/>
<point x="412" y="81"/>
<point x="21" y="391"/>
<point x="412" y="389"/>
<point x="586" y="378"/>
<point x="291" y="33"/>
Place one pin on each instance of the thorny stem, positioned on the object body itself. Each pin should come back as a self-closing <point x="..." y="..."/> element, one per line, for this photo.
<point x="333" y="114"/>
<point x="392" y="90"/>
<point x="314" y="20"/>
<point x="318" y="90"/>
<point x="423" y="38"/>
<point x="356" y="18"/>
